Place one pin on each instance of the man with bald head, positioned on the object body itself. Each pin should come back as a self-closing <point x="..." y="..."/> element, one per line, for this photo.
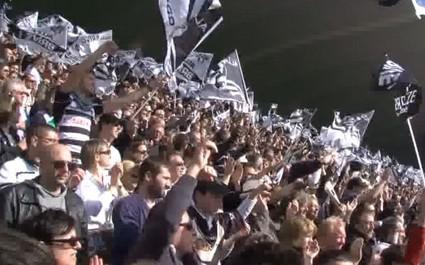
<point x="47" y="191"/>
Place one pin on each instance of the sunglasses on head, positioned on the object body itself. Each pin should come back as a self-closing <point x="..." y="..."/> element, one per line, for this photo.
<point x="106" y="152"/>
<point x="73" y="241"/>
<point x="60" y="164"/>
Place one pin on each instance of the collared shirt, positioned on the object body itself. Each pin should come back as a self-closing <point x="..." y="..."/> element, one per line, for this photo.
<point x="97" y="200"/>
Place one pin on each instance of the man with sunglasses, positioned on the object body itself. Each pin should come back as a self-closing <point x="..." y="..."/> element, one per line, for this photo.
<point x="25" y="167"/>
<point x="48" y="191"/>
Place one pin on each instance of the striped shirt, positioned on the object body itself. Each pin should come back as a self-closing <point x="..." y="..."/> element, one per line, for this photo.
<point x="75" y="119"/>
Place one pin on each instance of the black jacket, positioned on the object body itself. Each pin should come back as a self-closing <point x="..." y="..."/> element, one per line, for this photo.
<point x="19" y="202"/>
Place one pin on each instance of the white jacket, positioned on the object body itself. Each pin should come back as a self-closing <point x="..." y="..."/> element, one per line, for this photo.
<point x="17" y="171"/>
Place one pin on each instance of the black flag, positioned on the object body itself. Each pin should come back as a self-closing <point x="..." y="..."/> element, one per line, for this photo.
<point x="408" y="100"/>
<point x="389" y="75"/>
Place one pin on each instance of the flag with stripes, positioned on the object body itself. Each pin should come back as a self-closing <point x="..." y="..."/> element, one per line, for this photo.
<point x="226" y="81"/>
<point x="346" y="132"/>
<point x="390" y="75"/>
<point x="194" y="67"/>
<point x="105" y="77"/>
<point x="187" y="24"/>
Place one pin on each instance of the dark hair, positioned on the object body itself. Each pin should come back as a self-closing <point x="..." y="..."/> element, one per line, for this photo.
<point x="358" y="212"/>
<point x="37" y="131"/>
<point x="180" y="142"/>
<point x="332" y="256"/>
<point x="48" y="225"/>
<point x="152" y="166"/>
<point x="18" y="249"/>
<point x="173" y="153"/>
<point x="392" y="254"/>
<point x="266" y="253"/>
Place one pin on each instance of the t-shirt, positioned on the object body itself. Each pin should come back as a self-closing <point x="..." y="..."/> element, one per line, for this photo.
<point x="75" y="119"/>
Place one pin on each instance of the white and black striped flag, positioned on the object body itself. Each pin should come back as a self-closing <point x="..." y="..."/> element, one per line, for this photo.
<point x="390" y="75"/>
<point x="347" y="131"/>
<point x="187" y="24"/>
<point x="194" y="67"/>
<point x="299" y="121"/>
<point x="226" y="82"/>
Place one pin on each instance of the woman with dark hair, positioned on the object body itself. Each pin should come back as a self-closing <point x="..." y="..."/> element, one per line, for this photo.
<point x="19" y="249"/>
<point x="56" y="229"/>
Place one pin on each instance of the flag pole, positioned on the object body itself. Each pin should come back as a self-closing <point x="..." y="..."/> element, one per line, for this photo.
<point x="416" y="149"/>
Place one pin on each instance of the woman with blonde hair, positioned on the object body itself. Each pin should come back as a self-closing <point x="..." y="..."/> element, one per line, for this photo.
<point x="298" y="233"/>
<point x="129" y="178"/>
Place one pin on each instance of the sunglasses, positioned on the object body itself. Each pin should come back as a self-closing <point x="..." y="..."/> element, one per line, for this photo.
<point x="73" y="241"/>
<point x="187" y="226"/>
<point x="107" y="152"/>
<point x="60" y="164"/>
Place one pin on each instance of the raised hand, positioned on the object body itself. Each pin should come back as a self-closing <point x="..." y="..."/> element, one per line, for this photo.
<point x="229" y="166"/>
<point x="356" y="250"/>
<point x="293" y="210"/>
<point x="96" y="260"/>
<point x="312" y="251"/>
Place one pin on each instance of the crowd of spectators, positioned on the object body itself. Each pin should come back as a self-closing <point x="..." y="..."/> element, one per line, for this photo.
<point x="143" y="177"/>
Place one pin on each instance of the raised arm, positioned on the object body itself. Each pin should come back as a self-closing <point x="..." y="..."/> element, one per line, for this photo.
<point x="78" y="71"/>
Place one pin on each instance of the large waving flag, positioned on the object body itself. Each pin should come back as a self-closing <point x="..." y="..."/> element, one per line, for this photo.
<point x="226" y="83"/>
<point x="419" y="6"/>
<point x="347" y="131"/>
<point x="187" y="24"/>
<point x="194" y="67"/>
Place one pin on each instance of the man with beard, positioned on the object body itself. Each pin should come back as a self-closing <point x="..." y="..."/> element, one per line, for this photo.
<point x="130" y="213"/>
<point x="48" y="191"/>
<point x="362" y="225"/>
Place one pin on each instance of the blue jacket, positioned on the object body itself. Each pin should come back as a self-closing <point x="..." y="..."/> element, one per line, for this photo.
<point x="129" y="216"/>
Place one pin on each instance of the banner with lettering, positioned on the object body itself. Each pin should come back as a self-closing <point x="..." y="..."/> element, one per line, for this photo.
<point x="408" y="101"/>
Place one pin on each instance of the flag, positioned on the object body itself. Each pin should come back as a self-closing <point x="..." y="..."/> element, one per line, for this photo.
<point x="408" y="100"/>
<point x="389" y="75"/>
<point x="194" y="67"/>
<point x="419" y="6"/>
<point x="4" y="20"/>
<point x="28" y="22"/>
<point x="105" y="77"/>
<point x="225" y="82"/>
<point x="123" y="61"/>
<point x="54" y="21"/>
<point x="298" y="122"/>
<point x="347" y="131"/>
<point x="33" y="42"/>
<point x="221" y="118"/>
<point x="187" y="24"/>
<point x="147" y="68"/>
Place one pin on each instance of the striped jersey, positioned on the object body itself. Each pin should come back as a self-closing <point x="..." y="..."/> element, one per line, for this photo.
<point x="75" y="119"/>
